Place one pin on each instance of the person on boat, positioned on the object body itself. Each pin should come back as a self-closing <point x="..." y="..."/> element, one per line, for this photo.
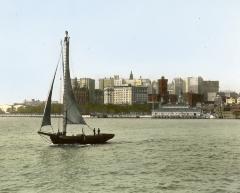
<point x="83" y="132"/>
<point x="98" y="131"/>
<point x="94" y="131"/>
<point x="83" y="135"/>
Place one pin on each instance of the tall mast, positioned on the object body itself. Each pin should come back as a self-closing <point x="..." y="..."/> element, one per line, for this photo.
<point x="65" y="76"/>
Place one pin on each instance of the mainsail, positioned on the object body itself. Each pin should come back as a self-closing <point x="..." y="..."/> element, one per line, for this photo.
<point x="47" y="110"/>
<point x="72" y="112"/>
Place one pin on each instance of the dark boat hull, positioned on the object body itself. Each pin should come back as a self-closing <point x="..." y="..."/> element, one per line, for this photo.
<point x="78" y="139"/>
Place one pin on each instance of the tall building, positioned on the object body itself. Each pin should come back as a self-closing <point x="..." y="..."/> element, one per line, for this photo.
<point x="125" y="95"/>
<point x="163" y="89"/>
<point x="192" y="98"/>
<point x="154" y="88"/>
<point x="194" y="84"/>
<point x="81" y="95"/>
<point x="179" y="86"/>
<point x="87" y="83"/>
<point x="139" y="94"/>
<point x="106" y="82"/>
<point x="210" y="90"/>
<point x="131" y="76"/>
<point x="89" y="86"/>
<point x="109" y="95"/>
<point x="98" y="96"/>
<point x="119" y="81"/>
<point x="171" y="88"/>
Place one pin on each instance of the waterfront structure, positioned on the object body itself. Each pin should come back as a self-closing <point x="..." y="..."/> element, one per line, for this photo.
<point x="177" y="111"/>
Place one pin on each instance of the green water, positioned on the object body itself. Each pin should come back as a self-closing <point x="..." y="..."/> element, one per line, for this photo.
<point x="145" y="156"/>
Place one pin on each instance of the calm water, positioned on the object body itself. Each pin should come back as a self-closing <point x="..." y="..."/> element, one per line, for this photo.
<point x="145" y="156"/>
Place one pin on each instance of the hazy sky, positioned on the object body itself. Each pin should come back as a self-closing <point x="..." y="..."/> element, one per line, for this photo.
<point x="150" y="37"/>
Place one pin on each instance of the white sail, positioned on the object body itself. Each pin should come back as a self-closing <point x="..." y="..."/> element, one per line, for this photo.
<point x="72" y="112"/>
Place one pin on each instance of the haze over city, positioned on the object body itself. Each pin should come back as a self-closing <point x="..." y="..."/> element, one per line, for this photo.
<point x="151" y="38"/>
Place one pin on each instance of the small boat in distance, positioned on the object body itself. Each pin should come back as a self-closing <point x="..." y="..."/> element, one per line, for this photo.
<point x="71" y="110"/>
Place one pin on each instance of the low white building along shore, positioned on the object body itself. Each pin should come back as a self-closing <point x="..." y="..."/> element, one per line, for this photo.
<point x="177" y="111"/>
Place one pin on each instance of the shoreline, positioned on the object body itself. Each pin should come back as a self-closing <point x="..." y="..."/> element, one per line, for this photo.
<point x="107" y="117"/>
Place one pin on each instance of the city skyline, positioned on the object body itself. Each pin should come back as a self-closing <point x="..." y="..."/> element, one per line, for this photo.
<point x="173" y="87"/>
<point x="151" y="38"/>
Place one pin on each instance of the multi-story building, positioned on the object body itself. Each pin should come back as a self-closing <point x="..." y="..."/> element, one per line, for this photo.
<point x="86" y="83"/>
<point x="230" y="94"/>
<point x="179" y="86"/>
<point x="125" y="95"/>
<point x="238" y="100"/>
<point x="154" y="89"/>
<point x="109" y="95"/>
<point x="106" y="82"/>
<point x="210" y="90"/>
<point x="81" y="95"/>
<point x="98" y="96"/>
<point x="230" y="100"/>
<point x="146" y="83"/>
<point x="139" y="94"/>
<point x="118" y="81"/>
<point x="194" y="85"/>
<point x="89" y="86"/>
<point x="163" y="89"/>
<point x="171" y="88"/>
<point x="192" y="98"/>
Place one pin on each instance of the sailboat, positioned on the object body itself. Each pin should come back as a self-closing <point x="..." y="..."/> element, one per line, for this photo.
<point x="71" y="110"/>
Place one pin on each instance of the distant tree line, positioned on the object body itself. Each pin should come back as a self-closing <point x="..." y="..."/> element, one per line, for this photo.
<point x="86" y="109"/>
<point x="115" y="109"/>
